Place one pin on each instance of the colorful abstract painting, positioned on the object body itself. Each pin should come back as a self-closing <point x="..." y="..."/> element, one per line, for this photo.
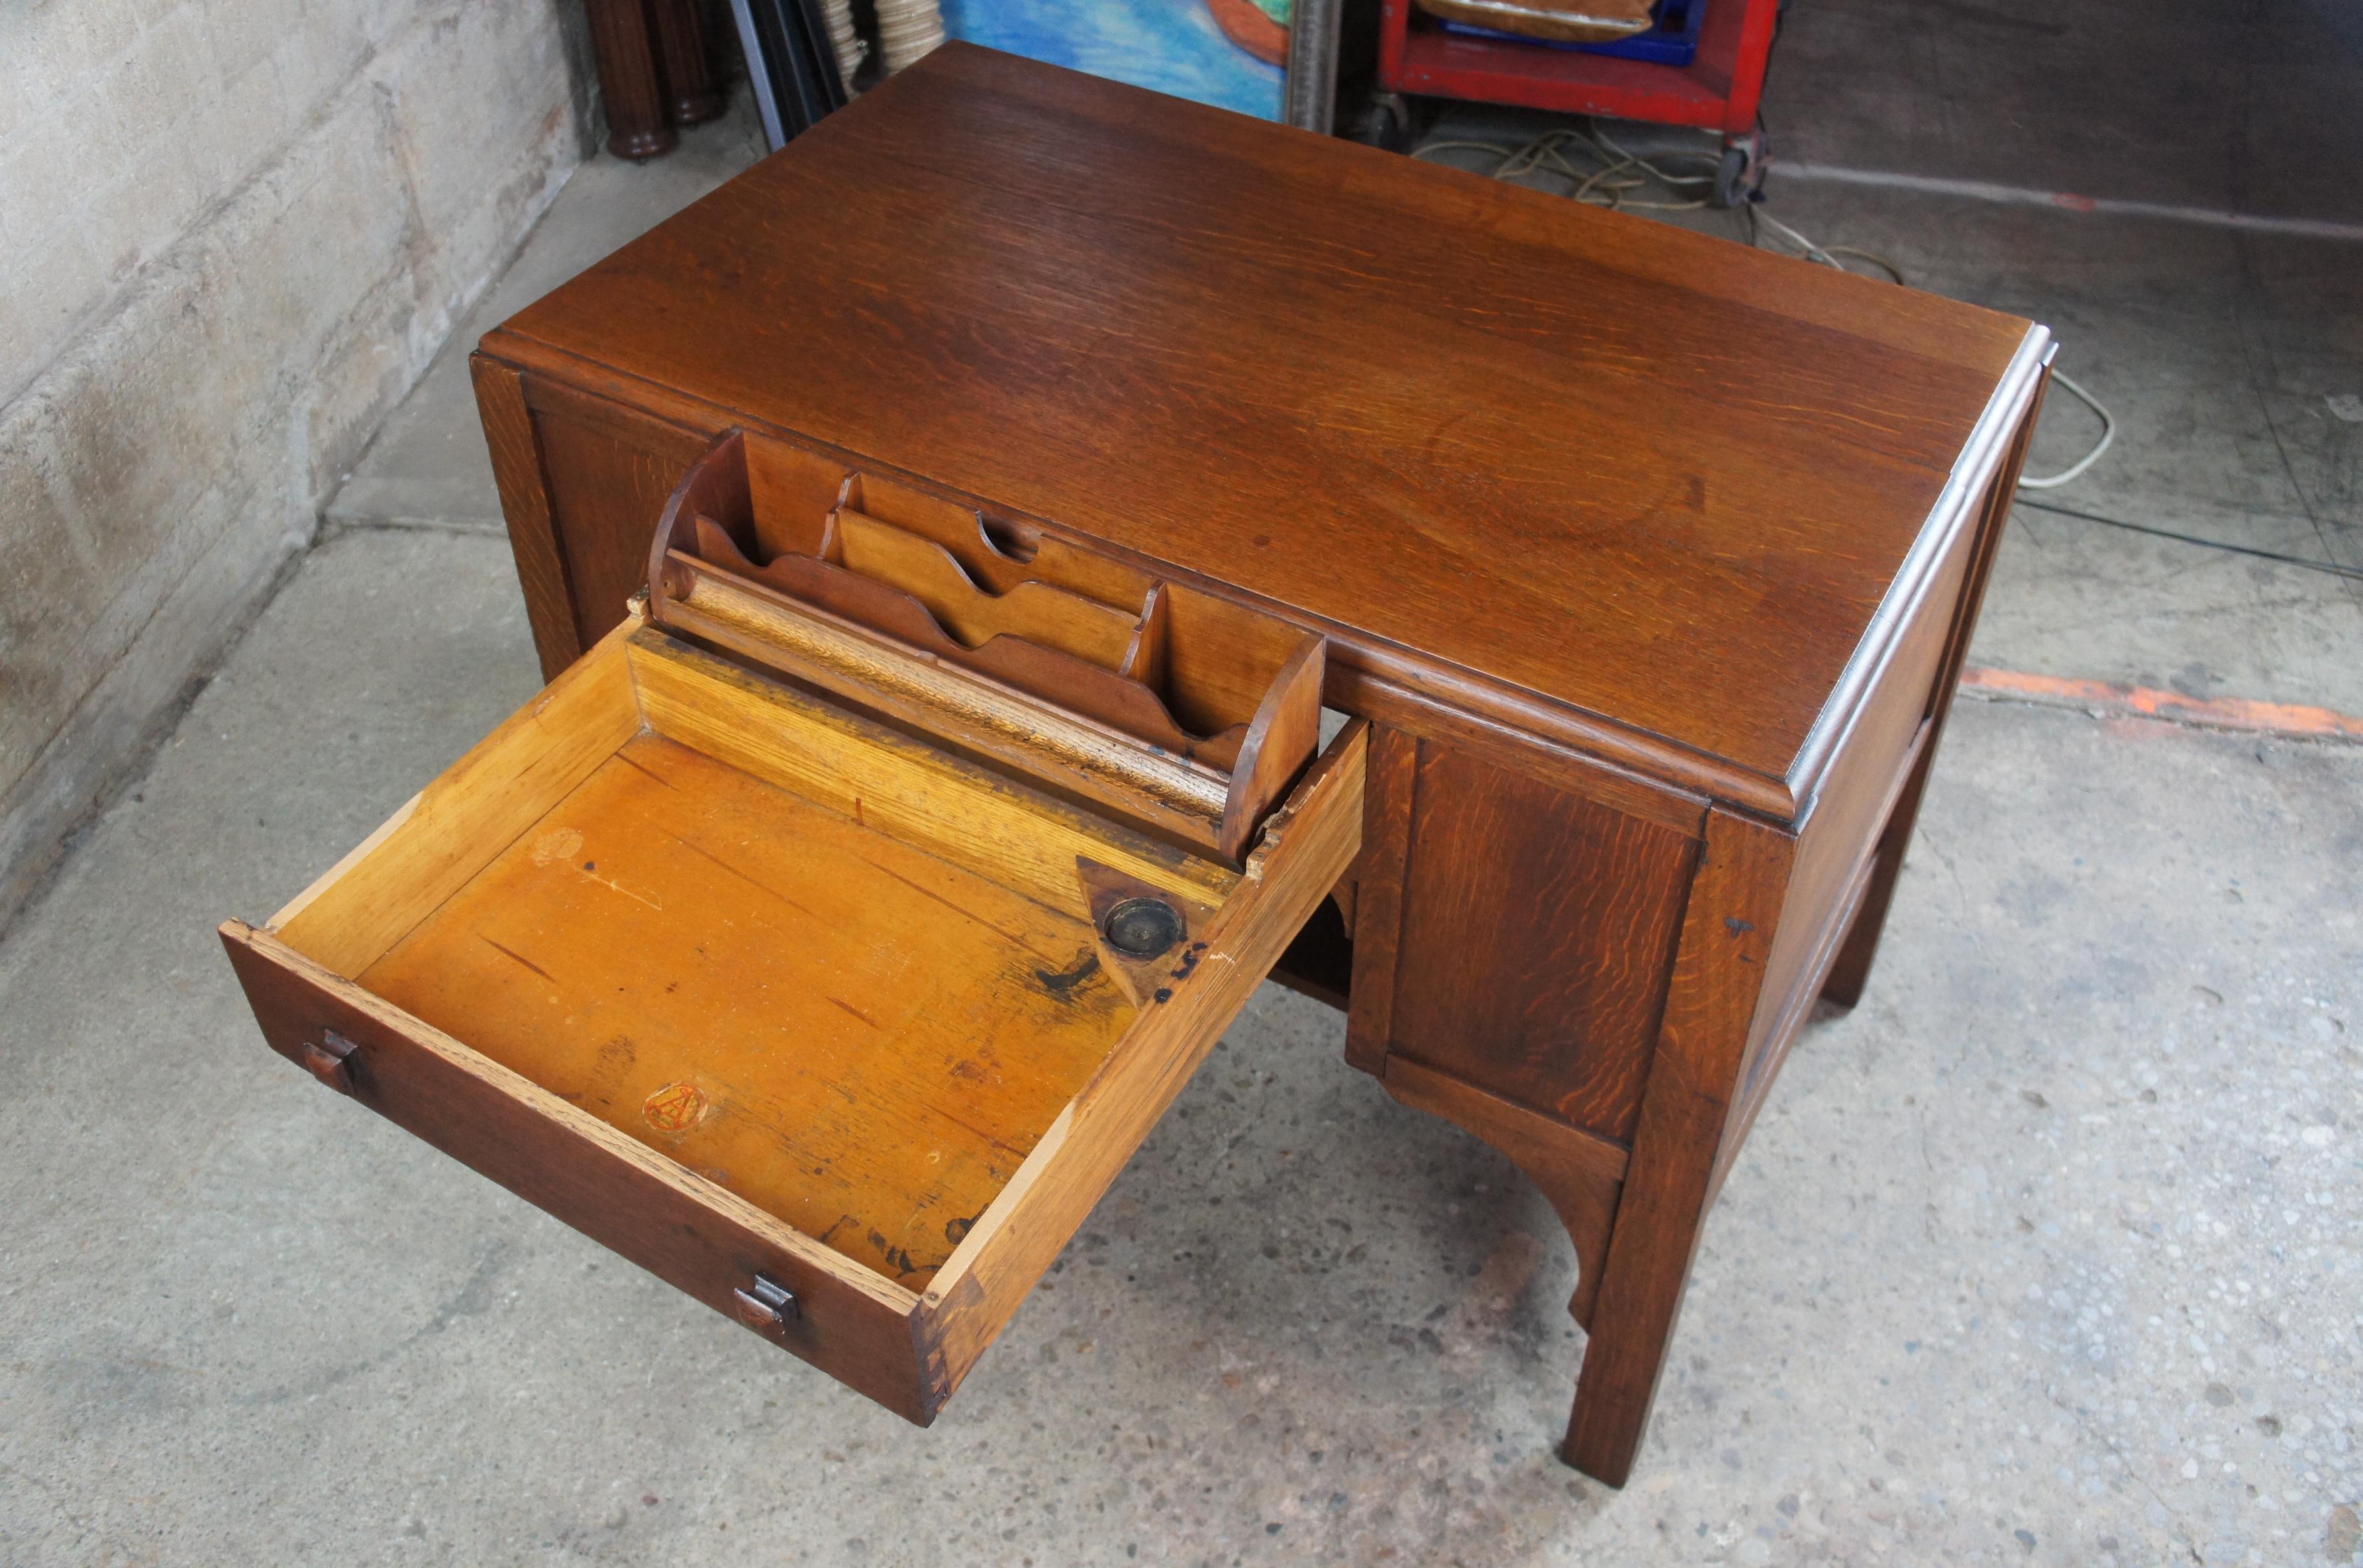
<point x="1226" y="52"/>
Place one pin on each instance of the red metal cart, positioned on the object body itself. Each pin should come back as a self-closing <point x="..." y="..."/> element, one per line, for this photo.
<point x="1718" y="91"/>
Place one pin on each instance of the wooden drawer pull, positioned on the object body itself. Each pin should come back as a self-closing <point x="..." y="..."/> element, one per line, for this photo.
<point x="329" y="1059"/>
<point x="767" y="1305"/>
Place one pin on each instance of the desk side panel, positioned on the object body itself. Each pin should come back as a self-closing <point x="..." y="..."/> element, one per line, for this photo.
<point x="1852" y="841"/>
<point x="1870" y="768"/>
<point x="1532" y="930"/>
<point x="610" y="472"/>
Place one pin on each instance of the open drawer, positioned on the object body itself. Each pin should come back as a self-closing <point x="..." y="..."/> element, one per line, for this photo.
<point x="831" y="1026"/>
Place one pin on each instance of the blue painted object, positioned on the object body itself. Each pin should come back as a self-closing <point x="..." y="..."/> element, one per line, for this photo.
<point x="1172" y="46"/>
<point x="1672" y="37"/>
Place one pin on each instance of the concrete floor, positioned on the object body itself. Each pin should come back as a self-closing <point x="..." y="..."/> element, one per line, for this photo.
<point x="2050" y="1252"/>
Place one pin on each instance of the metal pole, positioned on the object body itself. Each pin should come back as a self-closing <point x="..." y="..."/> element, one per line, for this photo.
<point x="1310" y="95"/>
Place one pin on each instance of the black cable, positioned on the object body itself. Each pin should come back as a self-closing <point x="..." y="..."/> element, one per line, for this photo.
<point x="2332" y="568"/>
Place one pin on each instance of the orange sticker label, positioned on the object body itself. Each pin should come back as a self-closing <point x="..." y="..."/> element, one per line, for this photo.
<point x="676" y="1108"/>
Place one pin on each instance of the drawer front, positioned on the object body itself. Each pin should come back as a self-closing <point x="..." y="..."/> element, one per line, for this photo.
<point x="1305" y="849"/>
<point x="688" y="1233"/>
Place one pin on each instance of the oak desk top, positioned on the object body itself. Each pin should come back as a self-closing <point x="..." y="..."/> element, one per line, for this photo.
<point x="1595" y="478"/>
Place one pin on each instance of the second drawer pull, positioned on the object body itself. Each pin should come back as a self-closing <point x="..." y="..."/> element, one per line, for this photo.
<point x="766" y="1306"/>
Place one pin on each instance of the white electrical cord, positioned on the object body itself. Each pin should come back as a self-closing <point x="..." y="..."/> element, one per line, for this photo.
<point x="1813" y="251"/>
<point x="2108" y="433"/>
<point x="1603" y="187"/>
<point x="1828" y="255"/>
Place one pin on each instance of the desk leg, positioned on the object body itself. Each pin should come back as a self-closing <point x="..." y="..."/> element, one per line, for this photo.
<point x="524" y="480"/>
<point x="1726" y="936"/>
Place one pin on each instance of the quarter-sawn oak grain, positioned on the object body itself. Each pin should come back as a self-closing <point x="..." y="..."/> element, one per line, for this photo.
<point x="1652" y="560"/>
<point x="1642" y="473"/>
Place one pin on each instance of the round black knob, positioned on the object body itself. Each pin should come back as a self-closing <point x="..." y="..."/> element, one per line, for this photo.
<point x="1142" y="928"/>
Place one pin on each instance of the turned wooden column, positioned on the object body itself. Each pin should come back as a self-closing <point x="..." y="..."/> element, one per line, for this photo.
<point x="690" y="98"/>
<point x="653" y="74"/>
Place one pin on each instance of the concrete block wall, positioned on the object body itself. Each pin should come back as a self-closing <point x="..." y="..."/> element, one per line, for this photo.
<point x="232" y="235"/>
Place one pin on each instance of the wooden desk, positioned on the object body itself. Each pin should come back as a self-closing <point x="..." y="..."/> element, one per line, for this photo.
<point x="1652" y="560"/>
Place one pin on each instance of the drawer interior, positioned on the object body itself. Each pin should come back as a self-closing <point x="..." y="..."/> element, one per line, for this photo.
<point x="839" y="1025"/>
<point x="847" y="981"/>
